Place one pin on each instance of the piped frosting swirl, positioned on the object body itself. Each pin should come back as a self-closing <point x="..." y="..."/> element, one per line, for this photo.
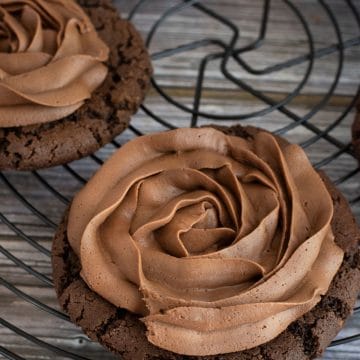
<point x="219" y="242"/>
<point x="51" y="60"/>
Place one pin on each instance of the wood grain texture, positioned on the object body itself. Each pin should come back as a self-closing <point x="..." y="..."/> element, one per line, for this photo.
<point x="177" y="75"/>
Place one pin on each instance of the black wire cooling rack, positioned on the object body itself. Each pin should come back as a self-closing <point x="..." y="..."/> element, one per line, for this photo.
<point x="221" y="49"/>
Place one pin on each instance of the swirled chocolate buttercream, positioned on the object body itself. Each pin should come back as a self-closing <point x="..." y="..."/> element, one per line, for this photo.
<point x="218" y="242"/>
<point x="51" y="60"/>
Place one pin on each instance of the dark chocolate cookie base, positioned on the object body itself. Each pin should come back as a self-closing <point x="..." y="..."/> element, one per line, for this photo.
<point x="102" y="117"/>
<point x="356" y="132"/>
<point x="122" y="333"/>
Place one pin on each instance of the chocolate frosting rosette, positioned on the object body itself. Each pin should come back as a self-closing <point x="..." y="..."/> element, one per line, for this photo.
<point x="51" y="60"/>
<point x="216" y="241"/>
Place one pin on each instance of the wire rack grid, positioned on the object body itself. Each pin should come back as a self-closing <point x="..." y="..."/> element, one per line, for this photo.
<point x="211" y="66"/>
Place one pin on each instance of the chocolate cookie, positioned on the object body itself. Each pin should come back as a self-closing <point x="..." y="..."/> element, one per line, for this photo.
<point x="356" y="132"/>
<point x="124" y="334"/>
<point x="105" y="115"/>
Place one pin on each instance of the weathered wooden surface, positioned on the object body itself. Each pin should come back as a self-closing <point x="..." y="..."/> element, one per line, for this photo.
<point x="177" y="75"/>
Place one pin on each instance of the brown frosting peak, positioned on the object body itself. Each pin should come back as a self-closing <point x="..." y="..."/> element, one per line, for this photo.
<point x="50" y="60"/>
<point x="218" y="242"/>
